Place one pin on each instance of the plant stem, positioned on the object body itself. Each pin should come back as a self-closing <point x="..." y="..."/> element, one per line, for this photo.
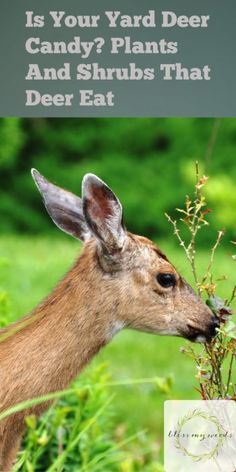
<point x="230" y="374"/>
<point x="208" y="274"/>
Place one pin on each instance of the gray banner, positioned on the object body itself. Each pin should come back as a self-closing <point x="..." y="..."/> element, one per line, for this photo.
<point x="210" y="90"/>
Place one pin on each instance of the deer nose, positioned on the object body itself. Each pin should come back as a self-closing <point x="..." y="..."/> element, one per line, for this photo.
<point x="213" y="326"/>
<point x="204" y="334"/>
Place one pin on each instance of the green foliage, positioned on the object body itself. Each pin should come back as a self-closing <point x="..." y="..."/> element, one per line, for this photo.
<point x="12" y="140"/>
<point x="79" y="433"/>
<point x="148" y="162"/>
<point x="76" y="434"/>
<point x="4" y="298"/>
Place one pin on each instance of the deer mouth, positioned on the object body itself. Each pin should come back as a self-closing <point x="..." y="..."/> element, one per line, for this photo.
<point x="197" y="335"/>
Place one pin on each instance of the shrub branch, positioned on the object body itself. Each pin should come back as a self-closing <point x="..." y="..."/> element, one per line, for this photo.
<point x="215" y="364"/>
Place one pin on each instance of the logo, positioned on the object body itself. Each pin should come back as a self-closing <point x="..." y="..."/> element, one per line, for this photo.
<point x="200" y="435"/>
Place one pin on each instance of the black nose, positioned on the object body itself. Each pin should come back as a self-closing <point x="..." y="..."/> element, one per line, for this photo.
<point x="213" y="326"/>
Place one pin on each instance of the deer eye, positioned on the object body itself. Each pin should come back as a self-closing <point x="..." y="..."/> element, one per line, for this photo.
<point x="166" y="280"/>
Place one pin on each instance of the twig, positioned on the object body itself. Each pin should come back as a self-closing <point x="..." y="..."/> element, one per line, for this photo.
<point x="187" y="252"/>
<point x="230" y="374"/>
<point x="233" y="296"/>
<point x="208" y="274"/>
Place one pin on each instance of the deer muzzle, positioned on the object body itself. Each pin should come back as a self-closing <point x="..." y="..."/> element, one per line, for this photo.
<point x="202" y="335"/>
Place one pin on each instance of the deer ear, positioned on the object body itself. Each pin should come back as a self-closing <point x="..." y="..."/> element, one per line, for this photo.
<point x="103" y="213"/>
<point x="64" y="207"/>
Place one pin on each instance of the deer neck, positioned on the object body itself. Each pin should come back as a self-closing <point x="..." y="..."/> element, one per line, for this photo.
<point x="65" y="331"/>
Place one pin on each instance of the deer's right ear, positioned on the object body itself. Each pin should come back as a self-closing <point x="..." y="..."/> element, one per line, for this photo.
<point x="64" y="207"/>
<point x="103" y="213"/>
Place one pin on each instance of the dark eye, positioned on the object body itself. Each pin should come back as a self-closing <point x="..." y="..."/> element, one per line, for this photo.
<point x="166" y="280"/>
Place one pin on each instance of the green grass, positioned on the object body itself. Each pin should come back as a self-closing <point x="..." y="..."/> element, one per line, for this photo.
<point x="30" y="268"/>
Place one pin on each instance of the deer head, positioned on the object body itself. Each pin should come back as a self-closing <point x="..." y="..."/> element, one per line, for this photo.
<point x="145" y="290"/>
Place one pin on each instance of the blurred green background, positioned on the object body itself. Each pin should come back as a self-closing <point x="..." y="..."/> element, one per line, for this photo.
<point x="150" y="164"/>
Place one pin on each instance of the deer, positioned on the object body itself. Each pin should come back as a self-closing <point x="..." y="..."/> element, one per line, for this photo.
<point x="120" y="281"/>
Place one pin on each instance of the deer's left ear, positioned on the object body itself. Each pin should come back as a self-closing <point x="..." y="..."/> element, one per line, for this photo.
<point x="103" y="213"/>
<point x="64" y="208"/>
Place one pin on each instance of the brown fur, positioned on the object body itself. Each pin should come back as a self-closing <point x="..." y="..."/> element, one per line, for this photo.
<point x="44" y="351"/>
